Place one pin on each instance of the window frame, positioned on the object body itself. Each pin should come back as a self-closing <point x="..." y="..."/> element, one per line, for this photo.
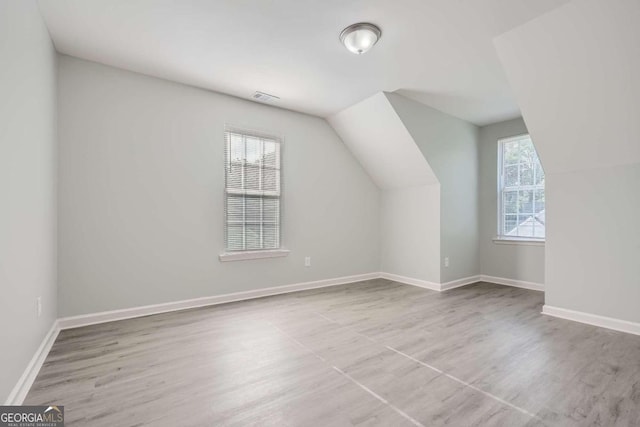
<point x="501" y="236"/>
<point x="252" y="253"/>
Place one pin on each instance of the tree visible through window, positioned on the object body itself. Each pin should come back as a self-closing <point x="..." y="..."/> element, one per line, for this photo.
<point x="521" y="185"/>
<point x="252" y="191"/>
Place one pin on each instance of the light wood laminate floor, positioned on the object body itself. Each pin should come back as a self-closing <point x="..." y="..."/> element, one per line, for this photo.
<point x="373" y="353"/>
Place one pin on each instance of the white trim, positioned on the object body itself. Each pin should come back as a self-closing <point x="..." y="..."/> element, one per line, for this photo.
<point x="460" y="282"/>
<point x="411" y="281"/>
<point x="511" y="282"/>
<point x="592" y="319"/>
<point x="19" y="392"/>
<point x="128" y="313"/>
<point x="518" y="241"/>
<point x="514" y="137"/>
<point x="240" y="256"/>
<point x="433" y="286"/>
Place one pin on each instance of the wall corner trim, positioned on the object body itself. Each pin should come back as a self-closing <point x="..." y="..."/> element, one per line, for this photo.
<point x="440" y="287"/>
<point x="433" y="286"/>
<point x="592" y="319"/>
<point x="460" y="282"/>
<point x="20" y="390"/>
<point x="512" y="282"/>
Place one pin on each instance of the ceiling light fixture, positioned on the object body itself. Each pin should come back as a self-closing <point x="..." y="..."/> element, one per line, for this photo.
<point x="360" y="37"/>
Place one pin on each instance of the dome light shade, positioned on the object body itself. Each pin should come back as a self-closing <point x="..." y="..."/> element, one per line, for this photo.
<point x="361" y="37"/>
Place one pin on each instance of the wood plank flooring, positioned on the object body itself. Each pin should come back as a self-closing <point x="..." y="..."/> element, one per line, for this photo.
<point x="373" y="353"/>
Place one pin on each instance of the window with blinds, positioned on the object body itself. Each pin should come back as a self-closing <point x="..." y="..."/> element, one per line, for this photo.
<point x="521" y="185"/>
<point x="252" y="191"/>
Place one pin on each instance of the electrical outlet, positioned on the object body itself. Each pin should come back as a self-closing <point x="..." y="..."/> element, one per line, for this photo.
<point x="307" y="261"/>
<point x="39" y="306"/>
<point x="446" y="261"/>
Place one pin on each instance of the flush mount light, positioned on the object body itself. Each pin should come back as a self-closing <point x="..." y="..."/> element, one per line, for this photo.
<point x="361" y="37"/>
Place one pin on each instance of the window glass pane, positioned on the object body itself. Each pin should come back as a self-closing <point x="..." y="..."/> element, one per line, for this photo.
<point x="235" y="209"/>
<point x="539" y="231"/>
<point x="236" y="148"/>
<point x="522" y="194"/>
<point x="253" y="214"/>
<point x="234" y="175"/>
<point x="539" y="201"/>
<point x="539" y="174"/>
<point x="511" y="176"/>
<point x="271" y="154"/>
<point x="527" y="152"/>
<point x="270" y="179"/>
<point x="252" y="200"/>
<point x="271" y="213"/>
<point x="510" y="155"/>
<point x="526" y="173"/>
<point x="254" y="150"/>
<point x="234" y="237"/>
<point x="540" y="214"/>
<point x="271" y="236"/>
<point x="510" y="224"/>
<point x="511" y="202"/>
<point x="252" y="177"/>
<point x="252" y="236"/>
<point x="525" y="201"/>
<point x="525" y="226"/>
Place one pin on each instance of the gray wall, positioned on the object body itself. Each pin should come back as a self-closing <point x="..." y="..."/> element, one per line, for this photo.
<point x="509" y="261"/>
<point x="410" y="232"/>
<point x="141" y="194"/>
<point x="410" y="191"/>
<point x="582" y="110"/>
<point x="27" y="186"/>
<point x="450" y="145"/>
<point x="593" y="248"/>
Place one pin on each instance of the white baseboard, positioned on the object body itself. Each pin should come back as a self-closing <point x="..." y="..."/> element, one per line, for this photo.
<point x="460" y="282"/>
<point x="128" y="313"/>
<point x="411" y="281"/>
<point x="19" y="392"/>
<point x="592" y="319"/>
<point x="511" y="282"/>
<point x="433" y="286"/>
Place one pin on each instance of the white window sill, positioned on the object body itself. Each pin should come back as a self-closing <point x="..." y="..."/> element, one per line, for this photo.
<point x="241" y="256"/>
<point x="518" y="241"/>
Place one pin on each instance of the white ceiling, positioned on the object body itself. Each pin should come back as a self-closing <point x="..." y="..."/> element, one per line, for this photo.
<point x="438" y="52"/>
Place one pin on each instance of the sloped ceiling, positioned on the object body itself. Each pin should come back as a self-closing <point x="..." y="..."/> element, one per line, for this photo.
<point x="384" y="147"/>
<point x="574" y="72"/>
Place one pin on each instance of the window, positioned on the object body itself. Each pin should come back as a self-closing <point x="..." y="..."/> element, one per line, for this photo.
<point x="521" y="186"/>
<point x="252" y="191"/>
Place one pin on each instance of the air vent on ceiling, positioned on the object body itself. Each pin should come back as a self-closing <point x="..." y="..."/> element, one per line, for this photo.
<point x="264" y="97"/>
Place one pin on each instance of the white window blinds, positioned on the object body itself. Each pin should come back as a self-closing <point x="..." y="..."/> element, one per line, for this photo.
<point x="252" y="191"/>
<point x="521" y="183"/>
